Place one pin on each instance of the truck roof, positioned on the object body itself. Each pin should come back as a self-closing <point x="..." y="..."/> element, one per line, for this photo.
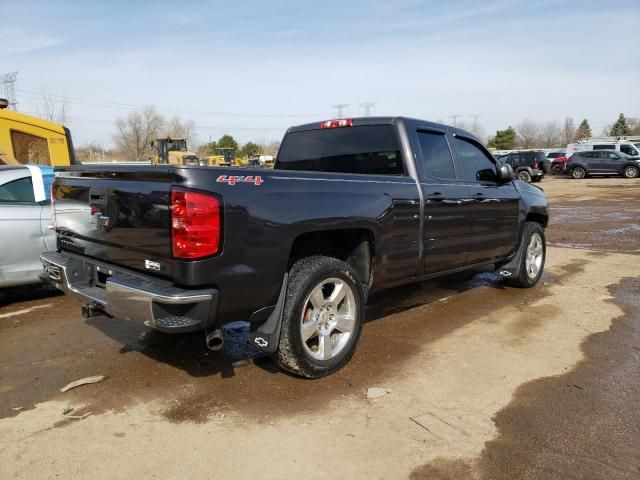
<point x="367" y="121"/>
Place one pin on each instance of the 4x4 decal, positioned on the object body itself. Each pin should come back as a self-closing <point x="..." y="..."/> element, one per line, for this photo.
<point x="233" y="179"/>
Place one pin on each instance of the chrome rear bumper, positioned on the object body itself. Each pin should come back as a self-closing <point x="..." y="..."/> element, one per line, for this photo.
<point x="130" y="295"/>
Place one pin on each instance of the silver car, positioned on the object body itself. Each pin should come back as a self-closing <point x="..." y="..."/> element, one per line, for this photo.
<point x="25" y="214"/>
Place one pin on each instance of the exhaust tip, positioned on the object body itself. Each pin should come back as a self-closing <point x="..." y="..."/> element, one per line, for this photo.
<point x="214" y="340"/>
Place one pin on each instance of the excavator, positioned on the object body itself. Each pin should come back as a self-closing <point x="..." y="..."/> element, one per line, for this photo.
<point x="172" y="151"/>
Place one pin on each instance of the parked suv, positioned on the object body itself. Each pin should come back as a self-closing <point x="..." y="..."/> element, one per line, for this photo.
<point x="528" y="165"/>
<point x="603" y="162"/>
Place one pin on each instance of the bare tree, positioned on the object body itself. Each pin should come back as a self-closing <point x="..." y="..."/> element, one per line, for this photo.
<point x="474" y="127"/>
<point x="270" y="148"/>
<point x="568" y="131"/>
<point x="54" y="108"/>
<point x="528" y="133"/>
<point x="175" y="127"/>
<point x="634" y="125"/>
<point x="550" y="134"/>
<point x="135" y="133"/>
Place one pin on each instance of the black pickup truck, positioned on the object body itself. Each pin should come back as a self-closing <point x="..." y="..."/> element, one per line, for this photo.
<point x="352" y="206"/>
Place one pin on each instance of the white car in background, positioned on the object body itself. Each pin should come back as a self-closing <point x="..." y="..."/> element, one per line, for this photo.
<point x="25" y="214"/>
<point x="629" y="147"/>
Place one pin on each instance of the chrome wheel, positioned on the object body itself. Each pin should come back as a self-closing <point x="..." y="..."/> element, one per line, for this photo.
<point x="534" y="257"/>
<point x="328" y="319"/>
<point x="631" y="172"/>
<point x="578" y="173"/>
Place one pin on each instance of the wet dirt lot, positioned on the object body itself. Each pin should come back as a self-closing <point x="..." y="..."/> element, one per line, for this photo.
<point x="483" y="381"/>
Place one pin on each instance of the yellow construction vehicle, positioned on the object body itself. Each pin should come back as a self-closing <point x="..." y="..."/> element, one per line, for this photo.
<point x="172" y="151"/>
<point x="225" y="157"/>
<point x="27" y="139"/>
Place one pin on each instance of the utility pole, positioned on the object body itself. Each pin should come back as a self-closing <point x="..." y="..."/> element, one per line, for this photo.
<point x="367" y="108"/>
<point x="454" y="119"/>
<point x="475" y="117"/>
<point x="8" y="82"/>
<point x="340" y="107"/>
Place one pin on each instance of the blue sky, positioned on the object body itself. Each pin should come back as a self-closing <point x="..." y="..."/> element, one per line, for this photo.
<point x="253" y="68"/>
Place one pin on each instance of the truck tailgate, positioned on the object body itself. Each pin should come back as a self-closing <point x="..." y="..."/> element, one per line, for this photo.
<point x="122" y="215"/>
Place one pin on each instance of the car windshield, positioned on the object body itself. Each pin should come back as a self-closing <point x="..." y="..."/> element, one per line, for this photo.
<point x="623" y="155"/>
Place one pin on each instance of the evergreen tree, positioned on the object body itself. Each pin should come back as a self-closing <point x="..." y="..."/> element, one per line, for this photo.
<point x="250" y="149"/>
<point x="504" y="140"/>
<point x="584" y="131"/>
<point x="227" y="141"/>
<point x="621" y="127"/>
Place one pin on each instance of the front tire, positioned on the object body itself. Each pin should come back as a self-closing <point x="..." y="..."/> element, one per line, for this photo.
<point x="533" y="253"/>
<point x="630" y="172"/>
<point x="322" y="318"/>
<point x="578" y="173"/>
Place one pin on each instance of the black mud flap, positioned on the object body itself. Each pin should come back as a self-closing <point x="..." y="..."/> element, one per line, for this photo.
<point x="266" y="336"/>
<point x="510" y="269"/>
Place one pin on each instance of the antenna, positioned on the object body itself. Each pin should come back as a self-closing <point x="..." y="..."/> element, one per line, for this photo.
<point x="367" y="107"/>
<point x="8" y="83"/>
<point x="340" y="107"/>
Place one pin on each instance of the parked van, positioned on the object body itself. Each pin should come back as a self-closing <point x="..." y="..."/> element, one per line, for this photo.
<point x="630" y="147"/>
<point x="26" y="139"/>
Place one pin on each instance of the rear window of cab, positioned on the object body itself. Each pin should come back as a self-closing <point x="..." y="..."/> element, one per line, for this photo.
<point x="371" y="150"/>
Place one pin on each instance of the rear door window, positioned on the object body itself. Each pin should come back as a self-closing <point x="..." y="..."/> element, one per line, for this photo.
<point x="436" y="155"/>
<point x="372" y="150"/>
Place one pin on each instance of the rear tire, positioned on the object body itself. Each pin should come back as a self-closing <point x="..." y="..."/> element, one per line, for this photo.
<point x="557" y="169"/>
<point x="524" y="176"/>
<point x="533" y="253"/>
<point x="630" y="172"/>
<point x="322" y="317"/>
<point x="578" y="173"/>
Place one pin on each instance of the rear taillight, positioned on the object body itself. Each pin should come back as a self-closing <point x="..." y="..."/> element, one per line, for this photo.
<point x="342" y="122"/>
<point x="535" y="165"/>
<point x="195" y="224"/>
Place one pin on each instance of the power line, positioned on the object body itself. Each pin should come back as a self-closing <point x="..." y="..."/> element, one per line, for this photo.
<point x="367" y="107"/>
<point x="130" y="106"/>
<point x="340" y="108"/>
<point x="8" y="82"/>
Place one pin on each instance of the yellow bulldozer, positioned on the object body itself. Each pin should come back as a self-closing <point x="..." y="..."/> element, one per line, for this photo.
<point x="172" y="151"/>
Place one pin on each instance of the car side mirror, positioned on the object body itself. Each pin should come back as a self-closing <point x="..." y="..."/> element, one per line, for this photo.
<point x="505" y="173"/>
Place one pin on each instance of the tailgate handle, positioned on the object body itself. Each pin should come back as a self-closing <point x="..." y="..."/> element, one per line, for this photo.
<point x="98" y="197"/>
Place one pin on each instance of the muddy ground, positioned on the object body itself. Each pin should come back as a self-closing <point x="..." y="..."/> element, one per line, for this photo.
<point x="484" y="381"/>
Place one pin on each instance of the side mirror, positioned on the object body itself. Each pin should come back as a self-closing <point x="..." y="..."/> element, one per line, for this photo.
<point x="505" y="173"/>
